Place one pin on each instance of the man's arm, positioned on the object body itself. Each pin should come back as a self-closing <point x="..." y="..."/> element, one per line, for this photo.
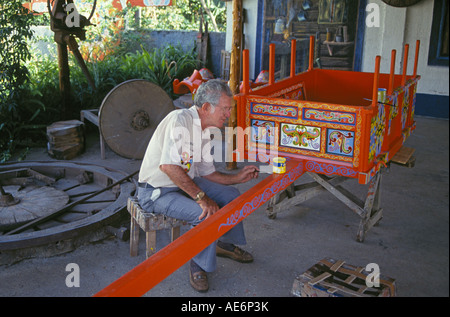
<point x="181" y="179"/>
<point x="247" y="173"/>
<point x="186" y="184"/>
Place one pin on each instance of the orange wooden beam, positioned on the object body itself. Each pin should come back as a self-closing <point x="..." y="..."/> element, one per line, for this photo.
<point x="293" y="56"/>
<point x="152" y="271"/>
<point x="405" y="64"/>
<point x="245" y="72"/>
<point x="376" y="77"/>
<point x="311" y="53"/>
<point x="271" y="64"/>
<point x="390" y="89"/>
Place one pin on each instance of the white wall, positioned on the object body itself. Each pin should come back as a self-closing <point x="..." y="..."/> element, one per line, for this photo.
<point x="400" y="26"/>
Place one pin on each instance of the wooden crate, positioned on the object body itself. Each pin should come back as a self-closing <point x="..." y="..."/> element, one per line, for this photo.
<point x="331" y="278"/>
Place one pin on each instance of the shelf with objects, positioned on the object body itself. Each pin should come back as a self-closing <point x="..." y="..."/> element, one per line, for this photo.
<point x="326" y="20"/>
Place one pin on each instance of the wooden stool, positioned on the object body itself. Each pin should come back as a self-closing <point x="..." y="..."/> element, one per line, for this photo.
<point x="150" y="223"/>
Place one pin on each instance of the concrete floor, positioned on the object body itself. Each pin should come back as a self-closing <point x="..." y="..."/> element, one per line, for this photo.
<point x="411" y="244"/>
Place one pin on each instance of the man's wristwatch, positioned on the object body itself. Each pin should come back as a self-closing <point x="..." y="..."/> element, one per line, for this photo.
<point x="200" y="195"/>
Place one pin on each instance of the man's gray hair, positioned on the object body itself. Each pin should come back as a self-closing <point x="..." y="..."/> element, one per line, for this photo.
<point x="210" y="92"/>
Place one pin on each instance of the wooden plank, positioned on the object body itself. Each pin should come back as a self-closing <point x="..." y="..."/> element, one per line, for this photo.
<point x="319" y="278"/>
<point x="339" y="194"/>
<point x="403" y="155"/>
<point x="90" y="116"/>
<point x="303" y="193"/>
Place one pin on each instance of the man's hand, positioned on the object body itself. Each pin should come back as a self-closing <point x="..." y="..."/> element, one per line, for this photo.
<point x="249" y="172"/>
<point x="209" y="207"/>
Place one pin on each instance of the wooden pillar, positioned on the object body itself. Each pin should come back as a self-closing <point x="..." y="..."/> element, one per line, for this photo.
<point x="64" y="80"/>
<point x="235" y="75"/>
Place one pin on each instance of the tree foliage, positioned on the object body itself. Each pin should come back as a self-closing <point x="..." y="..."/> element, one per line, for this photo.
<point x="185" y="15"/>
<point x="15" y="30"/>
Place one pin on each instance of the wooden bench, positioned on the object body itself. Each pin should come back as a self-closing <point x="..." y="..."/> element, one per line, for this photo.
<point x="150" y="223"/>
<point x="92" y="116"/>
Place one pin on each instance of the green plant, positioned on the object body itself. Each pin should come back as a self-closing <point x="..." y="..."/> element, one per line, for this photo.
<point x="15" y="26"/>
<point x="30" y="96"/>
<point x="166" y="64"/>
<point x="185" y="15"/>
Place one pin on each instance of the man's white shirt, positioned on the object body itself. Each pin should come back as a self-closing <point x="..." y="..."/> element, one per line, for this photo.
<point x="178" y="140"/>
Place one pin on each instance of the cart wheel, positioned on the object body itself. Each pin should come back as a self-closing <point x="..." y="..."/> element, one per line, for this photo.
<point x="270" y="213"/>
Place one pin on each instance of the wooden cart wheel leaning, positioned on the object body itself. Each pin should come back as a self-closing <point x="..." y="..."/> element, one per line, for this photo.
<point x="129" y="115"/>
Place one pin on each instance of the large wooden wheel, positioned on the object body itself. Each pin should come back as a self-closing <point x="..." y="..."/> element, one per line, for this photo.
<point x="129" y="115"/>
<point x="31" y="203"/>
<point x="49" y="208"/>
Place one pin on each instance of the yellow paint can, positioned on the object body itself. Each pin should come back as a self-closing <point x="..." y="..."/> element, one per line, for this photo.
<point x="279" y="165"/>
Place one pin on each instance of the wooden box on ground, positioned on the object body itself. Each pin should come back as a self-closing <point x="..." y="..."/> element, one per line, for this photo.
<point x="331" y="278"/>
<point x="65" y="139"/>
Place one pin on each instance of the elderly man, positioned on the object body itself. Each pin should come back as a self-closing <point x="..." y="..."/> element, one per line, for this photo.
<point x="178" y="177"/>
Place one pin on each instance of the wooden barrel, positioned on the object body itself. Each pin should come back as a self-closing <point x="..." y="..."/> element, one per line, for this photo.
<point x="65" y="139"/>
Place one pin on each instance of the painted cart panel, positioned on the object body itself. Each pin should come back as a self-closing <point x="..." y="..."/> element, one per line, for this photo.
<point x="331" y="119"/>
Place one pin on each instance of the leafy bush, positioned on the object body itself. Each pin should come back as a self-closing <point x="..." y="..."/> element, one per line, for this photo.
<point x="40" y="99"/>
<point x="29" y="84"/>
<point x="15" y="26"/>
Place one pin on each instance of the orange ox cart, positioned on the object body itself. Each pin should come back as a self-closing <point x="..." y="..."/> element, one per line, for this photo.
<point x="340" y="124"/>
<point x="322" y="122"/>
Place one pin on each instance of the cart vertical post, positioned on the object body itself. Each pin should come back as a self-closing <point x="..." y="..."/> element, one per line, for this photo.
<point x="293" y="56"/>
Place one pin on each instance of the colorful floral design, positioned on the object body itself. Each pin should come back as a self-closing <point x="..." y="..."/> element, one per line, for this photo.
<point x="300" y="136"/>
<point x="340" y="142"/>
<point x="393" y="110"/>
<point x="377" y="129"/>
<point x="263" y="131"/>
<point x="275" y="110"/>
<point x="329" y="116"/>
<point x="268" y="193"/>
<point x="405" y="105"/>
